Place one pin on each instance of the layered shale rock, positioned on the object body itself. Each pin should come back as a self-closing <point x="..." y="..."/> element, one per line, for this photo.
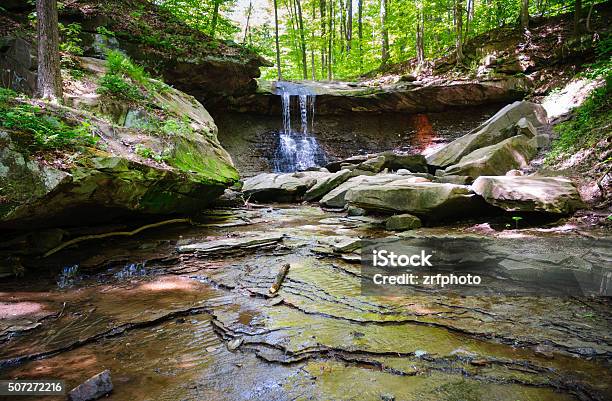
<point x="529" y="193"/>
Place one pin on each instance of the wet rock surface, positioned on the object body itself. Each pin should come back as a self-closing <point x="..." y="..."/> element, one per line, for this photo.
<point x="165" y="329"/>
<point x="529" y="193"/>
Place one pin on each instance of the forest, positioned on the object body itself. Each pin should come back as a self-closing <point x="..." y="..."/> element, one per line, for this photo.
<point x="338" y="39"/>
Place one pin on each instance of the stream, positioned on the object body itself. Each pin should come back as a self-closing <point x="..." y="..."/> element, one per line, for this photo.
<point x="201" y="325"/>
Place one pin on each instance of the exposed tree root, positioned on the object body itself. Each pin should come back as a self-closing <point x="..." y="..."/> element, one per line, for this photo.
<point x="113" y="234"/>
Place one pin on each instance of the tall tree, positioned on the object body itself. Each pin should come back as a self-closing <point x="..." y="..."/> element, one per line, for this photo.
<point x="323" y="12"/>
<point x="384" y="33"/>
<point x="577" y="16"/>
<point x="420" y="32"/>
<point x="49" y="73"/>
<point x="525" y="14"/>
<point x="360" y="32"/>
<point x="330" y="37"/>
<point x="215" y="17"/>
<point x="247" y="28"/>
<point x="312" y="40"/>
<point x="278" y="57"/>
<point x="349" y="27"/>
<point x="302" y="38"/>
<point x="459" y="30"/>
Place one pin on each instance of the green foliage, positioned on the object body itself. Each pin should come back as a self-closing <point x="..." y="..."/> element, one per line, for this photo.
<point x="199" y="14"/>
<point x="516" y="220"/>
<point x="71" y="42"/>
<point x="119" y="64"/>
<point x="591" y="123"/>
<point x="48" y="131"/>
<point x="603" y="66"/>
<point x="115" y="85"/>
<point x="149" y="153"/>
<point x="124" y="78"/>
<point x="102" y="30"/>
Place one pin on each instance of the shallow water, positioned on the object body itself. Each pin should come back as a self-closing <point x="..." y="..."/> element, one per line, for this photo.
<point x="163" y="324"/>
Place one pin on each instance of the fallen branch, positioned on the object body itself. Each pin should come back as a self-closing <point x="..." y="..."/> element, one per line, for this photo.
<point x="113" y="234"/>
<point x="279" y="279"/>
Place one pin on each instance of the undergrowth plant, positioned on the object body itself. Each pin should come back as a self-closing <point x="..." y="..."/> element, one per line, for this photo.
<point x="47" y="131"/>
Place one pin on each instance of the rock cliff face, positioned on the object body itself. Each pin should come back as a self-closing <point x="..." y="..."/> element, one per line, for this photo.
<point x="398" y="97"/>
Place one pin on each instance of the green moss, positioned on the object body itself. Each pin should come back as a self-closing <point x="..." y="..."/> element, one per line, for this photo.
<point x="210" y="168"/>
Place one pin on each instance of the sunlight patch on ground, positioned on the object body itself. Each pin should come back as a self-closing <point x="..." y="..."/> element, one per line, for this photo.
<point x="571" y="96"/>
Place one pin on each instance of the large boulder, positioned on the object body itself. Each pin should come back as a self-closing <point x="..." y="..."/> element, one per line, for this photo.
<point x="178" y="169"/>
<point x="512" y="153"/>
<point x="529" y="193"/>
<point x="95" y="188"/>
<point x="324" y="185"/>
<point x="429" y="199"/>
<point x="506" y="123"/>
<point x="336" y="197"/>
<point x="281" y="187"/>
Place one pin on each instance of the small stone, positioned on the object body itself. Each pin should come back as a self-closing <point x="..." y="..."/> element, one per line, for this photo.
<point x="479" y="362"/>
<point x="211" y="349"/>
<point x="93" y="388"/>
<point x="402" y="222"/>
<point x="355" y="211"/>
<point x="514" y="173"/>
<point x="235" y="343"/>
<point x="387" y="397"/>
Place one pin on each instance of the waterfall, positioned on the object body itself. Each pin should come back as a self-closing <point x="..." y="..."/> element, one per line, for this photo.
<point x="297" y="150"/>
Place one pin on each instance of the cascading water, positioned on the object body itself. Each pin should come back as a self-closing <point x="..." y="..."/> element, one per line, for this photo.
<point x="297" y="150"/>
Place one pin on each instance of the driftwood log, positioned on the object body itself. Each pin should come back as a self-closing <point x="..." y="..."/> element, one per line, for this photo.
<point x="282" y="273"/>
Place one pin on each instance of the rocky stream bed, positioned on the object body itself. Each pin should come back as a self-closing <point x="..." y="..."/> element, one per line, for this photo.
<point x="184" y="312"/>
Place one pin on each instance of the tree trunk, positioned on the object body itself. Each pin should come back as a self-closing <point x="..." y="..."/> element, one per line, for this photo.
<point x="215" y="17"/>
<point x="349" y="27"/>
<point x="360" y="32"/>
<point x="330" y="42"/>
<point x="525" y="14"/>
<point x="420" y="51"/>
<point x="323" y="12"/>
<point x="588" y="20"/>
<point x="385" y="33"/>
<point x="278" y="63"/>
<point x="312" y="41"/>
<point x="302" y="39"/>
<point x="468" y="19"/>
<point x="49" y="73"/>
<point x="247" y="27"/>
<point x="459" y="26"/>
<point x="577" y="15"/>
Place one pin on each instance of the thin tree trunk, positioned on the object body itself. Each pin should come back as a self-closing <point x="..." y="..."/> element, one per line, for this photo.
<point x="577" y="15"/>
<point x="349" y="27"/>
<point x="330" y="41"/>
<point x="323" y="12"/>
<point x="419" y="33"/>
<point x="215" y="17"/>
<point x="458" y="24"/>
<point x="525" y="14"/>
<point x="312" y="41"/>
<point x="360" y="32"/>
<point x="588" y="20"/>
<point x="385" y="33"/>
<point x="278" y="63"/>
<point x="302" y="38"/>
<point x="247" y="27"/>
<point x="49" y="73"/>
<point x="470" y="13"/>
